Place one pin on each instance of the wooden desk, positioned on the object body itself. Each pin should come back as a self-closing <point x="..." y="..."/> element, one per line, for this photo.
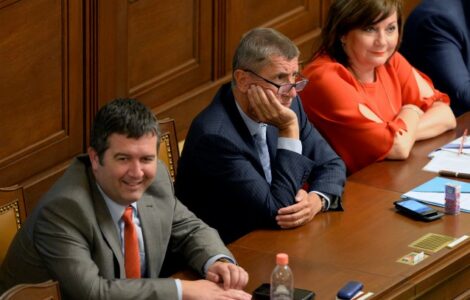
<point x="402" y="176"/>
<point x="364" y="242"/>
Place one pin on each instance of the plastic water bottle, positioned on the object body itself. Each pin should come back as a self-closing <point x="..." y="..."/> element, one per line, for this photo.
<point x="282" y="279"/>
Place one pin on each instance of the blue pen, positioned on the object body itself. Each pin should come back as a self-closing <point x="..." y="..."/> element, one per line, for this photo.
<point x="455" y="146"/>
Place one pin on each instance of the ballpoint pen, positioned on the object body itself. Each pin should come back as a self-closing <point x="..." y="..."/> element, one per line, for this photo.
<point x="462" y="142"/>
<point x="454" y="174"/>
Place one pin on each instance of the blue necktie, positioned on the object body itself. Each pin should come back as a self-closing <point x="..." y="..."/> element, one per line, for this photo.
<point x="262" y="147"/>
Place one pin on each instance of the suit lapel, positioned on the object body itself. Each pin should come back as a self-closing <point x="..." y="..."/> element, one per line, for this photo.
<point x="108" y="229"/>
<point x="241" y="129"/>
<point x="152" y="234"/>
<point x="237" y="120"/>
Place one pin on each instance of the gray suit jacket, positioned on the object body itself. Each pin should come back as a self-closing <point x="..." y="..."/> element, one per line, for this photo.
<point x="71" y="237"/>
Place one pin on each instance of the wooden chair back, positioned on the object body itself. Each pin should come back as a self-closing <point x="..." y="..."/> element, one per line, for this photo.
<point x="12" y="215"/>
<point x="48" y="290"/>
<point x="168" y="150"/>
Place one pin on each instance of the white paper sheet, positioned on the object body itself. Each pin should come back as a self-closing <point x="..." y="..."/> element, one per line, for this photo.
<point x="449" y="161"/>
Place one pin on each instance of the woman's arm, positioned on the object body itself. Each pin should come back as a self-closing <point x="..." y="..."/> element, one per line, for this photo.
<point x="438" y="118"/>
<point x="404" y="139"/>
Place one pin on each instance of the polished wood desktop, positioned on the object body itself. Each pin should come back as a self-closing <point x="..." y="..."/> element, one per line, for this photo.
<point x="362" y="243"/>
<point x="365" y="241"/>
<point x="402" y="176"/>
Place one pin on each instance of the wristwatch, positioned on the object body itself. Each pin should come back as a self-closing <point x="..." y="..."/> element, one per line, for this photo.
<point x="225" y="260"/>
<point x="323" y="204"/>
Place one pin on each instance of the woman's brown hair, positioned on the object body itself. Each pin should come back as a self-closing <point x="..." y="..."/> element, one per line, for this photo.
<point x="346" y="15"/>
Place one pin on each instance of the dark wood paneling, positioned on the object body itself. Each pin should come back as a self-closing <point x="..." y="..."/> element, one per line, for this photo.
<point x="172" y="58"/>
<point x="158" y="49"/>
<point x="184" y="108"/>
<point x="41" y="83"/>
<point x="298" y="20"/>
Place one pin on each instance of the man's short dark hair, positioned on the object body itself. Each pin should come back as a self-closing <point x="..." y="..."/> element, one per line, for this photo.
<point x="122" y="116"/>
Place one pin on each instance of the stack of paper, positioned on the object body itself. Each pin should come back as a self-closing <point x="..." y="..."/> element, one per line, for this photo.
<point x="447" y="158"/>
<point x="454" y="146"/>
<point x="433" y="192"/>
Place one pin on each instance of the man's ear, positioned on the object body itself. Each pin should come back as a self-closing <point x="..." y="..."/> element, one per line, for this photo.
<point x="94" y="158"/>
<point x="242" y="80"/>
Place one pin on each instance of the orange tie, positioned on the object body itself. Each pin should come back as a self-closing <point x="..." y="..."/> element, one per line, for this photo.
<point x="131" y="246"/>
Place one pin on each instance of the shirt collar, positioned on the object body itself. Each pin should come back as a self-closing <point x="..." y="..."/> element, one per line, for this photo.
<point x="253" y="126"/>
<point x="115" y="209"/>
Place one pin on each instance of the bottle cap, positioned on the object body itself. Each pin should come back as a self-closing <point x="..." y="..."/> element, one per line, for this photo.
<point x="282" y="259"/>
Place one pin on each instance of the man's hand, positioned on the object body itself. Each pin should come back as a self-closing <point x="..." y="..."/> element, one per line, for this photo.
<point x="230" y="275"/>
<point x="307" y="206"/>
<point x="205" y="289"/>
<point x="266" y="107"/>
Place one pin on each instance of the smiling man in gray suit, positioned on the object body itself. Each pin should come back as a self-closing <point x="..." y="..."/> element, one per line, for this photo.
<point x="76" y="234"/>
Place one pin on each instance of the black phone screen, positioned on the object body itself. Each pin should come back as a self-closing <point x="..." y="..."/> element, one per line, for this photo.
<point x="263" y="293"/>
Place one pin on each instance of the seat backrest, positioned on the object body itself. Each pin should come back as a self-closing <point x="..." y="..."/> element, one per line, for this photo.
<point x="168" y="151"/>
<point x="12" y="214"/>
<point x="48" y="290"/>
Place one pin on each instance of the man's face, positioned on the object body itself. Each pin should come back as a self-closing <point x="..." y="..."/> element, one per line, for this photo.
<point x="129" y="167"/>
<point x="279" y="70"/>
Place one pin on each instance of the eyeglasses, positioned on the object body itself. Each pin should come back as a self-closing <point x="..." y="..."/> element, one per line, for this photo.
<point x="284" y="89"/>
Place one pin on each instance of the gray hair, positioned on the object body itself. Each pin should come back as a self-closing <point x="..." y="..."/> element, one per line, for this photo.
<point x="258" y="45"/>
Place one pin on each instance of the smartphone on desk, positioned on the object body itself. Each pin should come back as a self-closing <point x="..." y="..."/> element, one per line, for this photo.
<point x="263" y="293"/>
<point x="418" y="210"/>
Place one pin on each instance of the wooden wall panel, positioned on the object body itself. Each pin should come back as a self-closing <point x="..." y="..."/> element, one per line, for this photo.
<point x="41" y="83"/>
<point x="172" y="58"/>
<point x="299" y="20"/>
<point x="158" y="49"/>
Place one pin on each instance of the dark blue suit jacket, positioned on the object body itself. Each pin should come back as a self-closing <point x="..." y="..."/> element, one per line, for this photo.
<point x="436" y="40"/>
<point x="221" y="179"/>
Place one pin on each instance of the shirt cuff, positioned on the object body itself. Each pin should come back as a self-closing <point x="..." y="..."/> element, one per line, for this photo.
<point x="214" y="258"/>
<point x="179" y="289"/>
<point x="294" y="145"/>
<point x="327" y="199"/>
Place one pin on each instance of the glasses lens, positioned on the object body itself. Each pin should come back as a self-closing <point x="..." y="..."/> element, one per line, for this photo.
<point x="300" y="85"/>
<point x="285" y="88"/>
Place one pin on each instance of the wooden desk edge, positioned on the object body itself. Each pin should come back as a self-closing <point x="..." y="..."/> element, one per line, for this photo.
<point x="454" y="266"/>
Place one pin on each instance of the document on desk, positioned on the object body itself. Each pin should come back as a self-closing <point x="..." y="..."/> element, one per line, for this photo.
<point x="454" y="147"/>
<point x="450" y="161"/>
<point x="433" y="192"/>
